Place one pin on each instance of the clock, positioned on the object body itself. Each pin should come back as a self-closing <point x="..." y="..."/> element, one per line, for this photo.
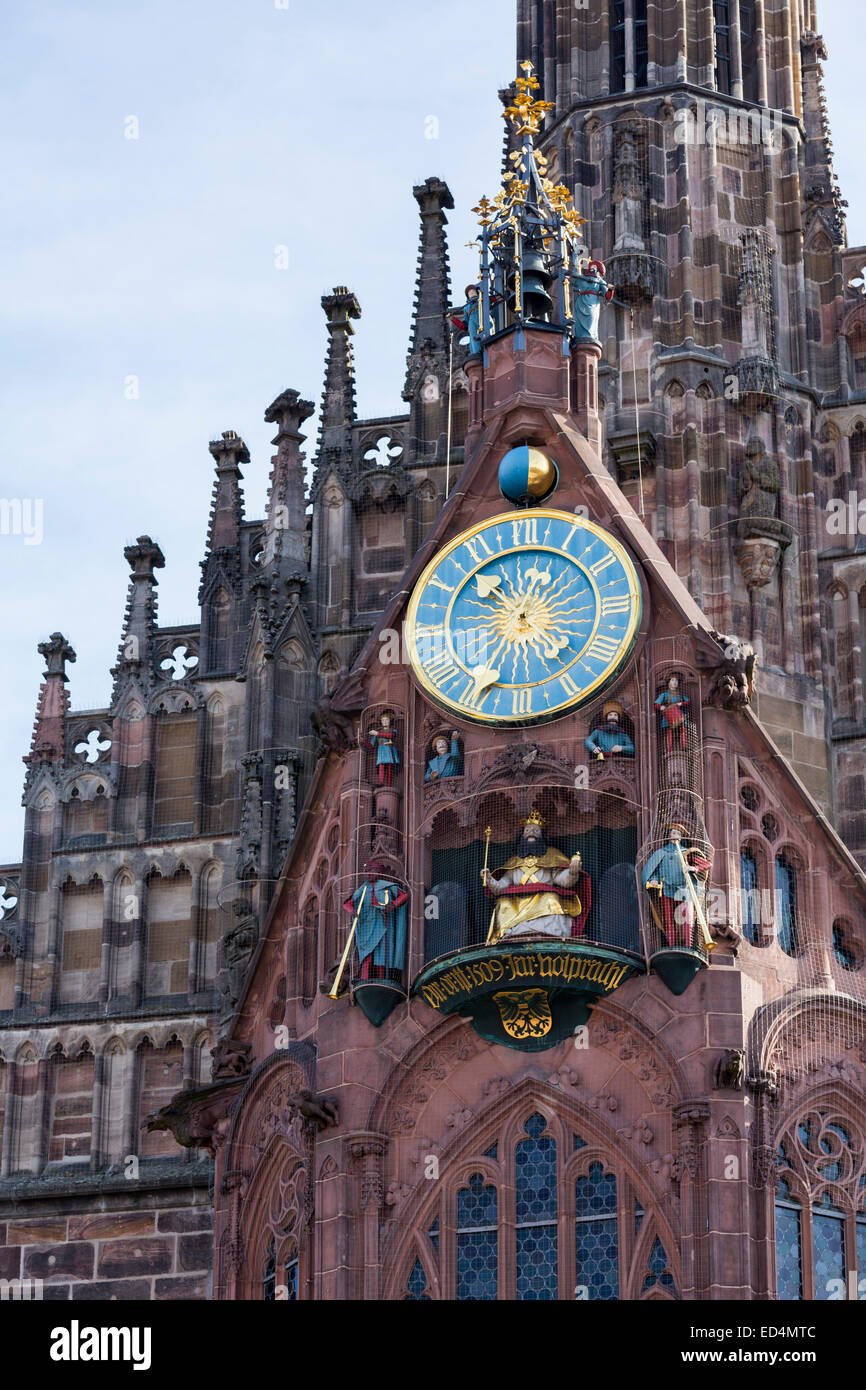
<point x="523" y="618"/>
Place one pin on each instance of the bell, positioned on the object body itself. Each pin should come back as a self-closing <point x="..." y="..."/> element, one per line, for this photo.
<point x="537" y="303"/>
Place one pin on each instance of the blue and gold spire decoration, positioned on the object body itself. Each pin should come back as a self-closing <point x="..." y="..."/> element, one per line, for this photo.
<point x="530" y="232"/>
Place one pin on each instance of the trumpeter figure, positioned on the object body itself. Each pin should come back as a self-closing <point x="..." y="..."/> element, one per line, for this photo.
<point x="590" y="291"/>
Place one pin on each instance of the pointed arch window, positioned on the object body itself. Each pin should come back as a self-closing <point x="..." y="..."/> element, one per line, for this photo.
<point x="597" y="1235"/>
<point x="819" y="1208"/>
<point x="536" y="1211"/>
<point x="537" y="1217"/>
<point x="786" y="906"/>
<point x="477" y="1241"/>
<point x="750" y="896"/>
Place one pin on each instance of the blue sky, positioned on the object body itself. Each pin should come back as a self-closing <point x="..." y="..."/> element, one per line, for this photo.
<point x="259" y="127"/>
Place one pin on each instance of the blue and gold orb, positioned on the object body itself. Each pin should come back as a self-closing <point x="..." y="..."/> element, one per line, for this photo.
<point x="527" y="476"/>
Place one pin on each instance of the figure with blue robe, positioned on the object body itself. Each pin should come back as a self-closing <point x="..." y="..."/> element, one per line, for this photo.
<point x="610" y="741"/>
<point x="380" y="906"/>
<point x="384" y="740"/>
<point x="672" y="897"/>
<point x="589" y="291"/>
<point x="446" y="762"/>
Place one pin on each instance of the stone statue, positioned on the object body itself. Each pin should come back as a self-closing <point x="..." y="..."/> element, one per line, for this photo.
<point x="380" y="907"/>
<point x="670" y="895"/>
<point x="446" y="761"/>
<point x="734" y="682"/>
<point x="384" y="740"/>
<point x="611" y="741"/>
<point x="760" y="486"/>
<point x="589" y="289"/>
<point x="673" y="705"/>
<point x="335" y="731"/>
<point x="534" y="891"/>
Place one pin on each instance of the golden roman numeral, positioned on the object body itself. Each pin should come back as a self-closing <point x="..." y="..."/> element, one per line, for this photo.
<point x="603" y="649"/>
<point x="522" y="702"/>
<point x="472" y="547"/>
<point x="601" y="565"/>
<point x="442" y="671"/>
<point x="525" y="532"/>
<point x="615" y="605"/>
<point x="434" y="579"/>
<point x="570" y="687"/>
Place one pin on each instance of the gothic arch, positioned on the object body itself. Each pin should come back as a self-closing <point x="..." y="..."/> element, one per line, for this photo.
<point x="586" y="1146"/>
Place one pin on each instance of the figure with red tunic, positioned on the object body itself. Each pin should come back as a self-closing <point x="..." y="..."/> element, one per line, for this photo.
<point x="673" y="706"/>
<point x="673" y="896"/>
<point x="384" y="740"/>
<point x="378" y="907"/>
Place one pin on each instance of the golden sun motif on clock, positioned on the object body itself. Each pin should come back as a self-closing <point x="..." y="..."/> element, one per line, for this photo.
<point x="523" y="617"/>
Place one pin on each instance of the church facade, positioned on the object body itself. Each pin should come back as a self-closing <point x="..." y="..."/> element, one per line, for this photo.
<point x="474" y="900"/>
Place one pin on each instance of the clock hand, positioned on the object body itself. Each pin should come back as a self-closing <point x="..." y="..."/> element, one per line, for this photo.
<point x="484" y="677"/>
<point x="487" y="584"/>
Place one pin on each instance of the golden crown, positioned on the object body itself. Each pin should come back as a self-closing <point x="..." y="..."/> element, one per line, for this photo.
<point x="535" y="819"/>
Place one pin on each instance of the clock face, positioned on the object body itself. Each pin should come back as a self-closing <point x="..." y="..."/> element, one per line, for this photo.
<point x="523" y="617"/>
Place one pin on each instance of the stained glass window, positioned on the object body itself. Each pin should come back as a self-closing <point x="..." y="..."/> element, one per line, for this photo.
<point x="828" y="1244"/>
<point x="786" y="906"/>
<point x="659" y="1275"/>
<point x="536" y="1246"/>
<point x="789" y="1264"/>
<point x="416" y="1289"/>
<point x="750" y="896"/>
<point x="477" y="1241"/>
<point x="292" y="1281"/>
<point x="596" y="1236"/>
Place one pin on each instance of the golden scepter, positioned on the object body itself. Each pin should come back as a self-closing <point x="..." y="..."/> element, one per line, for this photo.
<point x="709" y="943"/>
<point x="488" y="833"/>
<point x="335" y="992"/>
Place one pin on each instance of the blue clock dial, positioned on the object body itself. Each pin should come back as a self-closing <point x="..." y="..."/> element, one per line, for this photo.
<point x="524" y="617"/>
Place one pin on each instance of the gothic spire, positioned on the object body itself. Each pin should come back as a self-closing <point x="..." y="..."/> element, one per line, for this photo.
<point x="338" y="401"/>
<point x="49" y="731"/>
<point x="286" y="524"/>
<point x="432" y="289"/>
<point x="227" y="507"/>
<point x="136" y="646"/>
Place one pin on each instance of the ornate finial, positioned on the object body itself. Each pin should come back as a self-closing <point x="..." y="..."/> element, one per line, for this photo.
<point x="526" y="113"/>
<point x="530" y="234"/>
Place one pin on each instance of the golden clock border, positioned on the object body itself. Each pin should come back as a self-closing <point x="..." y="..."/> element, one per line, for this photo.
<point x="635" y="592"/>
